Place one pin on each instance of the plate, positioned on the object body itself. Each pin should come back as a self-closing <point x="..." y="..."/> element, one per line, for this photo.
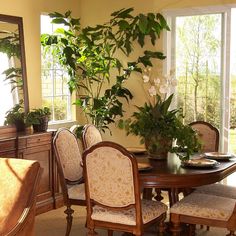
<point x="219" y="155"/>
<point x="136" y="150"/>
<point x="144" y="166"/>
<point x="200" y="163"/>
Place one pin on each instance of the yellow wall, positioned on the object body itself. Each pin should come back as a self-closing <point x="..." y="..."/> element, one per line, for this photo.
<point x="30" y="10"/>
<point x="92" y="12"/>
<point x="95" y="12"/>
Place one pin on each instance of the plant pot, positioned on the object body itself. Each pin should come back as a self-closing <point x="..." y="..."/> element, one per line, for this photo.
<point x="42" y="126"/>
<point x="158" y="146"/>
<point x="20" y="125"/>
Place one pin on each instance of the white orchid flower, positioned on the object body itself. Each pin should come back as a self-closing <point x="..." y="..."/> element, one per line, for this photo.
<point x="174" y="82"/>
<point x="163" y="89"/>
<point x="146" y="78"/>
<point x="152" y="91"/>
<point x="157" y="81"/>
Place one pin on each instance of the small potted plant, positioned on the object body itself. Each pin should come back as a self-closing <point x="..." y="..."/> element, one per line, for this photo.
<point x="39" y="118"/>
<point x="16" y="116"/>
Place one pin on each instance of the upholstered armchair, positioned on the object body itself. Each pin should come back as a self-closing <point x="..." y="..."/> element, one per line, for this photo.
<point x="69" y="165"/>
<point x="113" y="193"/>
<point x="19" y="180"/>
<point x="91" y="135"/>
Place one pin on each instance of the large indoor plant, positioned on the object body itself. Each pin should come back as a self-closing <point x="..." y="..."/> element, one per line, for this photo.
<point x="90" y="55"/>
<point x="157" y="125"/>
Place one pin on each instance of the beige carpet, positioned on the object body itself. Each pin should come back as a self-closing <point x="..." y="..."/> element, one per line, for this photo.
<point x="53" y="223"/>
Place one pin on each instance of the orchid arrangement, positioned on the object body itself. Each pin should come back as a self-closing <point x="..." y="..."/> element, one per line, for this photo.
<point x="155" y="123"/>
<point x="158" y="85"/>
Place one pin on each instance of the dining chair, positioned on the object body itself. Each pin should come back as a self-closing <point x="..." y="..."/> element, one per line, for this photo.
<point x="204" y="209"/>
<point x="113" y="192"/>
<point x="207" y="134"/>
<point x="69" y="166"/>
<point x="90" y="136"/>
<point x="19" y="180"/>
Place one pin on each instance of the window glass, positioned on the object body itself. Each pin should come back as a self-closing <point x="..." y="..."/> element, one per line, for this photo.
<point x="55" y="90"/>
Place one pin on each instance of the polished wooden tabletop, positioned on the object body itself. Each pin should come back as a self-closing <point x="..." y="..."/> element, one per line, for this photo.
<point x="170" y="174"/>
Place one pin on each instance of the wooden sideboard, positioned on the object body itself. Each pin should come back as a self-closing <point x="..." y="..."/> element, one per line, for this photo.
<point x="35" y="146"/>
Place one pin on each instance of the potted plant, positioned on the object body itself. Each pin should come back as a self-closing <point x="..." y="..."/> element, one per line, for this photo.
<point x="39" y="118"/>
<point x="157" y="125"/>
<point x="90" y="56"/>
<point x="16" y="116"/>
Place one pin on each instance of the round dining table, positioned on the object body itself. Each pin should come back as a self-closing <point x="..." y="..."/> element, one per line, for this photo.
<point x="172" y="176"/>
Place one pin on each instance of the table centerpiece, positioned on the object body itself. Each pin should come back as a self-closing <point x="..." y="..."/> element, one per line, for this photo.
<point x="160" y="128"/>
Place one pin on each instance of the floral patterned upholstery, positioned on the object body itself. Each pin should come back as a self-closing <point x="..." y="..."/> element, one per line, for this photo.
<point x="205" y="206"/>
<point x="117" y="176"/>
<point x="76" y="191"/>
<point x="218" y="190"/>
<point x="91" y="136"/>
<point x="69" y="154"/>
<point x="150" y="211"/>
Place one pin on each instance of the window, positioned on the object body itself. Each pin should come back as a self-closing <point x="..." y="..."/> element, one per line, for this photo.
<point x="55" y="92"/>
<point x="198" y="47"/>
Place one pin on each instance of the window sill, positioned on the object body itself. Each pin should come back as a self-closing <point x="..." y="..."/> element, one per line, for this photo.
<point x="61" y="124"/>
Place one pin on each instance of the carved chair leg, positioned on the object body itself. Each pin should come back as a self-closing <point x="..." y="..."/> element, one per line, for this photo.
<point x="69" y="219"/>
<point x="175" y="229"/>
<point x="231" y="233"/>
<point x="91" y="232"/>
<point x="110" y="232"/>
<point x="162" y="227"/>
<point x="192" y="229"/>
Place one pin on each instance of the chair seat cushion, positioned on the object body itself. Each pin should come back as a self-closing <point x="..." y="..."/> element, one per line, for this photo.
<point x="150" y="211"/>
<point x="218" y="190"/>
<point x="205" y="206"/>
<point x="76" y="191"/>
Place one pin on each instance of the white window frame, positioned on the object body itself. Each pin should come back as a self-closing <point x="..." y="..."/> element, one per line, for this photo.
<point x="169" y="51"/>
<point x="53" y="96"/>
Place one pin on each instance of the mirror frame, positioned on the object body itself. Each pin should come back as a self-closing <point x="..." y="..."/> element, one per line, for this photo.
<point x="19" y="21"/>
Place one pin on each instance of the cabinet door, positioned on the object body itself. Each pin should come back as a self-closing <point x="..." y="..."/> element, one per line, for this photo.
<point x="41" y="151"/>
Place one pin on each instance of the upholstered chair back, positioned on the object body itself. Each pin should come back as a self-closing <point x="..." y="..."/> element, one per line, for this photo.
<point x="68" y="154"/>
<point x="110" y="175"/>
<point x="91" y="136"/>
<point x="207" y="134"/>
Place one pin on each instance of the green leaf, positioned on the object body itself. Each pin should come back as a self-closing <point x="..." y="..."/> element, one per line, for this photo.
<point x="143" y="22"/>
<point x="123" y="13"/>
<point x="55" y="14"/>
<point x="123" y="25"/>
<point x="60" y="21"/>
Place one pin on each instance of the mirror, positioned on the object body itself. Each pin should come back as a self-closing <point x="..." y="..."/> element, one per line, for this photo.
<point x="13" y="81"/>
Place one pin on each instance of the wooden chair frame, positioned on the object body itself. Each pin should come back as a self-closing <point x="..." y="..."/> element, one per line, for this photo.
<point x="64" y="182"/>
<point x="136" y="229"/>
<point x="214" y="129"/>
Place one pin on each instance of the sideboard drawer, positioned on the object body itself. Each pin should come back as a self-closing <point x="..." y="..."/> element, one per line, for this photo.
<point x="39" y="140"/>
<point x="8" y="145"/>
